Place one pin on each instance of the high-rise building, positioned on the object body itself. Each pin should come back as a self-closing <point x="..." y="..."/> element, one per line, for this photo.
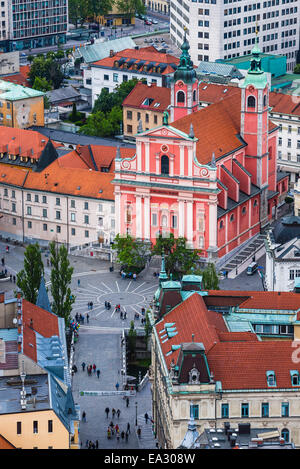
<point x="26" y="24"/>
<point x="222" y="29"/>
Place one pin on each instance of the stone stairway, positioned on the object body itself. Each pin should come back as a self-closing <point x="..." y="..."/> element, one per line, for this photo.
<point x="147" y="440"/>
<point x="246" y="253"/>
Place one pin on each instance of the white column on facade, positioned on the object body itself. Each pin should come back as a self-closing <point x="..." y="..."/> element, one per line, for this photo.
<point x="181" y="221"/>
<point x="147" y="159"/>
<point x="118" y="212"/>
<point x="157" y="161"/>
<point x="190" y="222"/>
<point x="181" y="160"/>
<point x="213" y="224"/>
<point x="139" y="155"/>
<point x="190" y="162"/>
<point x="138" y="216"/>
<point x="171" y="165"/>
<point x="146" y="217"/>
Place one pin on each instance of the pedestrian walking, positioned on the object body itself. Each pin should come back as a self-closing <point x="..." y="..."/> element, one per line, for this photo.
<point x="83" y="366"/>
<point x="92" y="305"/>
<point x="146" y="417"/>
<point x="87" y="443"/>
<point x="94" y="368"/>
<point x="121" y="315"/>
<point x="117" y="428"/>
<point x="125" y="314"/>
<point x="126" y="436"/>
<point x="87" y="317"/>
<point x="2" y="261"/>
<point x="107" y="412"/>
<point x="122" y="434"/>
<point x="88" y="305"/>
<point x="139" y="432"/>
<point x="98" y="373"/>
<point x="97" y="444"/>
<point x="117" y="386"/>
<point x="134" y="276"/>
<point x="113" y="411"/>
<point x="128" y="427"/>
<point x="14" y="279"/>
<point x="10" y="278"/>
<point x="78" y="282"/>
<point x="127" y="401"/>
<point x="118" y="413"/>
<point x="7" y="249"/>
<point x="83" y="416"/>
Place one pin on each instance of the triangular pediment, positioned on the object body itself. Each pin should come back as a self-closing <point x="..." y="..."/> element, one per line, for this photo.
<point x="164" y="131"/>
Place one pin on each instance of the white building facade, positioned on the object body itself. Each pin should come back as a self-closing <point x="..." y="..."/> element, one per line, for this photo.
<point x="222" y="29"/>
<point x="76" y="221"/>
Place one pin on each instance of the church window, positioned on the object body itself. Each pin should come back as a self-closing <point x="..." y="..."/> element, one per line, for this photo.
<point x="265" y="100"/>
<point x="180" y="97"/>
<point x="154" y="219"/>
<point x="194" y="95"/>
<point x="128" y="214"/>
<point x="221" y="224"/>
<point x="244" y="210"/>
<point x="164" y="164"/>
<point x="201" y="242"/>
<point x="251" y="101"/>
<point x="255" y="203"/>
<point x="231" y="218"/>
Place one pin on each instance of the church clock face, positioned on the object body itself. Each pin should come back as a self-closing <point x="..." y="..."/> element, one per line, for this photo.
<point x="180" y="84"/>
<point x="251" y="89"/>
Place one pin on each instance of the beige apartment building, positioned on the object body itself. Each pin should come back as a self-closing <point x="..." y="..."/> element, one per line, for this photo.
<point x="202" y="368"/>
<point x="74" y="207"/>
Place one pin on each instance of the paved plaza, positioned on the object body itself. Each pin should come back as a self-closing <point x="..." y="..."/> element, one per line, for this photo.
<point x="100" y="342"/>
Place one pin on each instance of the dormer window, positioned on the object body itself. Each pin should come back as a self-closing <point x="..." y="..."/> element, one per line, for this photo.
<point x="295" y="377"/>
<point x="271" y="378"/>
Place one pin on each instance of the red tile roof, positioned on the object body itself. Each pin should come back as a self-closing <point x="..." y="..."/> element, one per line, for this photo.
<point x="285" y="103"/>
<point x="44" y="323"/>
<point x="147" y="54"/>
<point x="211" y="93"/>
<point x="237" y="359"/>
<point x="161" y="97"/>
<point x="222" y="119"/>
<point x="23" y="142"/>
<point x="20" y="78"/>
<point x="5" y="444"/>
<point x="103" y="156"/>
<point x="83" y="182"/>
<point x="263" y="299"/>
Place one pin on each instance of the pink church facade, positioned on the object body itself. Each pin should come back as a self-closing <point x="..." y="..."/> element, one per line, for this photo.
<point x="209" y="175"/>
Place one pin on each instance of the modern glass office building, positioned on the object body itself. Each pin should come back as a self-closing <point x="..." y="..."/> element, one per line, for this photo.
<point x="26" y="24"/>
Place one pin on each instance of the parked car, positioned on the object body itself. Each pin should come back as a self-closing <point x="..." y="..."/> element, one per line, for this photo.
<point x="252" y="268"/>
<point x="154" y="21"/>
<point x="148" y="22"/>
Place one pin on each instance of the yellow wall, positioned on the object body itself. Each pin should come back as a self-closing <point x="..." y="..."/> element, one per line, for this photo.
<point x="134" y="121"/>
<point x="58" y="439"/>
<point x="23" y="113"/>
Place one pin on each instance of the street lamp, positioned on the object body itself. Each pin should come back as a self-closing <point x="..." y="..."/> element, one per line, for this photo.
<point x="136" y="414"/>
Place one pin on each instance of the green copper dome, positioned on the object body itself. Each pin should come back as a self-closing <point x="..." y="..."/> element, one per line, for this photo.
<point x="185" y="70"/>
<point x="255" y="76"/>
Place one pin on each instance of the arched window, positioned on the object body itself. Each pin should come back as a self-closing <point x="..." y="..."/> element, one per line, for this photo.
<point x="285" y="434"/>
<point x="164" y="164"/>
<point x="251" y="101"/>
<point x="194" y="95"/>
<point x="180" y="97"/>
<point x="265" y="100"/>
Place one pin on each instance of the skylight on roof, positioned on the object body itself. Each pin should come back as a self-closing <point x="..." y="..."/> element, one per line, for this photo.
<point x="156" y="104"/>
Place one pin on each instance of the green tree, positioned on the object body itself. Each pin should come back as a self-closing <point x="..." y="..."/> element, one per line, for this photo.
<point x="147" y="327"/>
<point x="297" y="69"/>
<point x="131" y="252"/>
<point x="97" y="124"/>
<point x="210" y="279"/>
<point x="41" y="84"/>
<point x="131" y="6"/>
<point x="61" y="275"/>
<point x="132" y="338"/>
<point x="179" y="258"/>
<point x="29" y="278"/>
<point x="48" y="69"/>
<point x="106" y="100"/>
